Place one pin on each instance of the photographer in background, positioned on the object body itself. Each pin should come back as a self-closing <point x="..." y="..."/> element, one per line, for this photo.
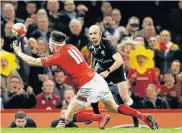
<point x="22" y="121"/>
<point x="131" y="28"/>
<point x="60" y="123"/>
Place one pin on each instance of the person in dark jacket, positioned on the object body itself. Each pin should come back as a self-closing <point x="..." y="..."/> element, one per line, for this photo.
<point x="17" y="97"/>
<point x="77" y="37"/>
<point x="22" y="121"/>
<point x="60" y="123"/>
<point x="152" y="101"/>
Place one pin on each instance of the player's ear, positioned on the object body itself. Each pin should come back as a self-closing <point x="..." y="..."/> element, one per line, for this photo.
<point x="42" y="88"/>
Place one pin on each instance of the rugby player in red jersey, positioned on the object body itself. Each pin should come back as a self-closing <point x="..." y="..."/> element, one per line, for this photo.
<point x="92" y="86"/>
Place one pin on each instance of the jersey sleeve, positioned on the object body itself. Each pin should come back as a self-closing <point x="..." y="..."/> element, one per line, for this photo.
<point x="50" y="60"/>
<point x="110" y="47"/>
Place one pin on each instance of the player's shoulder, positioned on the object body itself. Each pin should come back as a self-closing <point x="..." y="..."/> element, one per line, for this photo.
<point x="106" y="41"/>
<point x="67" y="47"/>
<point x="89" y="44"/>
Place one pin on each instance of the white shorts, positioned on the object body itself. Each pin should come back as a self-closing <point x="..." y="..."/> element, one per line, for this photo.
<point x="93" y="91"/>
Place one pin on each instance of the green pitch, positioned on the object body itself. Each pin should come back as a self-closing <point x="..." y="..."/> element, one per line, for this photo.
<point x="89" y="130"/>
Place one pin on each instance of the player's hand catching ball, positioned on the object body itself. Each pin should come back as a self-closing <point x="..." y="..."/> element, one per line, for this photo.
<point x="16" y="48"/>
<point x="104" y="74"/>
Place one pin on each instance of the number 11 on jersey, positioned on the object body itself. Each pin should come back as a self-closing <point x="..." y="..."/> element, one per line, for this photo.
<point x="75" y="56"/>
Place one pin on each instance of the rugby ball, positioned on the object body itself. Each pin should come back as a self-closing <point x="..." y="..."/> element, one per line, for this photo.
<point x="19" y="30"/>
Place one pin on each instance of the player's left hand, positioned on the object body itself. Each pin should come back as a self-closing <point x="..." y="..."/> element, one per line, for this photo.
<point x="104" y="74"/>
<point x="16" y="48"/>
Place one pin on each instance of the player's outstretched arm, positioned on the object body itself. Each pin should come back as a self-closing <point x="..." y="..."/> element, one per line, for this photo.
<point x="28" y="59"/>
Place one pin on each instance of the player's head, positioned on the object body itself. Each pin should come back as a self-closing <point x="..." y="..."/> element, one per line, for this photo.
<point x="95" y="34"/>
<point x="56" y="40"/>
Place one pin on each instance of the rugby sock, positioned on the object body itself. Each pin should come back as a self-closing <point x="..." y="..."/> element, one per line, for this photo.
<point x="95" y="107"/>
<point x="83" y="117"/>
<point x="124" y="109"/>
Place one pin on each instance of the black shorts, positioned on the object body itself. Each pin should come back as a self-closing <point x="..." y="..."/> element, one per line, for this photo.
<point x="115" y="77"/>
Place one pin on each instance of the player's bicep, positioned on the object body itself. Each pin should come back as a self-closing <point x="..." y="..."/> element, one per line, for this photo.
<point x="117" y="57"/>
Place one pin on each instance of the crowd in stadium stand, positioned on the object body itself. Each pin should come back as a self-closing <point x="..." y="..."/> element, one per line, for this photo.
<point x="29" y="87"/>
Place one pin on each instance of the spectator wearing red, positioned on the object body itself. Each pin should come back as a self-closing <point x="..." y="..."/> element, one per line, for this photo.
<point x="142" y="71"/>
<point x="168" y="90"/>
<point x="176" y="69"/>
<point x="47" y="99"/>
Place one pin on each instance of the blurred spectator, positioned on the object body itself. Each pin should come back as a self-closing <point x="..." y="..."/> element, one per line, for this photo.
<point x="142" y="70"/>
<point x="55" y="21"/>
<point x="68" y="96"/>
<point x="106" y="9"/>
<point x="168" y="90"/>
<point x="152" y="42"/>
<point x="139" y="41"/>
<point x="41" y="13"/>
<point x="147" y="21"/>
<point x="29" y="47"/>
<point x="9" y="16"/>
<point x="107" y="27"/>
<point x="17" y="98"/>
<point x="152" y="101"/>
<point x="160" y="76"/>
<point x="35" y="74"/>
<point x="124" y="49"/>
<point x="68" y="14"/>
<point x="93" y="12"/>
<point x="82" y="10"/>
<point x="149" y="31"/>
<point x="116" y="16"/>
<point x="31" y="8"/>
<point x="61" y="123"/>
<point x="60" y="86"/>
<point x="131" y="28"/>
<point x="42" y="46"/>
<point x="8" y="69"/>
<point x="47" y="99"/>
<point x="77" y="38"/>
<point x="113" y="40"/>
<point x="43" y="29"/>
<point x="176" y="69"/>
<point x="22" y="121"/>
<point x="175" y="19"/>
<point x="165" y="52"/>
<point x="8" y="37"/>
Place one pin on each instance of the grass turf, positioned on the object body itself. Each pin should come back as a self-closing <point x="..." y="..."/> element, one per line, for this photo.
<point x="88" y="130"/>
